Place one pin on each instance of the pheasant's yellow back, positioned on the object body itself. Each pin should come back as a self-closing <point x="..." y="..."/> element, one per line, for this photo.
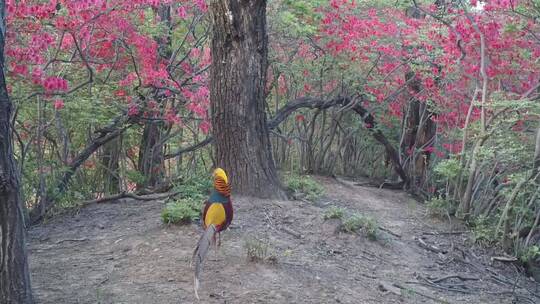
<point x="215" y="215"/>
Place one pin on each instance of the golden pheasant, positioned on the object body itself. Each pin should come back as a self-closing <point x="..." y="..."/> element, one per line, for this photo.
<point x="216" y="217"/>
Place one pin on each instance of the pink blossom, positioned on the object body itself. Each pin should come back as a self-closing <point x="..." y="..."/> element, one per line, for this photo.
<point x="58" y="104"/>
<point x="201" y="4"/>
<point x="182" y="12"/>
<point x="133" y="110"/>
<point x="205" y="126"/>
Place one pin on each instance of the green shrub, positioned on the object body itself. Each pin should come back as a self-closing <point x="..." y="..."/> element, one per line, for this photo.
<point x="483" y="230"/>
<point x="334" y="213"/>
<point x="353" y="223"/>
<point x="439" y="206"/>
<point x="448" y="168"/>
<point x="135" y="176"/>
<point x="187" y="208"/>
<point x="357" y="221"/>
<point x="529" y="254"/>
<point x="182" y="211"/>
<point x="304" y="186"/>
<point x="195" y="188"/>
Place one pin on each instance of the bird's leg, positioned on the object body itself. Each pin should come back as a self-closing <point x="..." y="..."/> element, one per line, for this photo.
<point x="217" y="243"/>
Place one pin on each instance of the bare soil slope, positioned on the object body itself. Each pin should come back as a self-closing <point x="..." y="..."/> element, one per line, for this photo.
<point x="121" y="253"/>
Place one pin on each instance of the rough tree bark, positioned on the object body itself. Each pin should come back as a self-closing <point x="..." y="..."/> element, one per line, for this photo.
<point x="238" y="77"/>
<point x="14" y="275"/>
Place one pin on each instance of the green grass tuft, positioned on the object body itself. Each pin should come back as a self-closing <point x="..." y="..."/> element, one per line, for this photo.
<point x="334" y="213"/>
<point x="367" y="224"/>
<point x="304" y="186"/>
<point x="258" y="251"/>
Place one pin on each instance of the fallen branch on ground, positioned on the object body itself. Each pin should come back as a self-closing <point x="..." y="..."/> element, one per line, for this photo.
<point x="408" y="289"/>
<point x="427" y="282"/>
<point x="390" y="232"/>
<point x="288" y="230"/>
<point x="455" y="276"/>
<point x="444" y="233"/>
<point x="72" y="240"/>
<point x="431" y="248"/>
<point x="122" y="195"/>
<point x="504" y="259"/>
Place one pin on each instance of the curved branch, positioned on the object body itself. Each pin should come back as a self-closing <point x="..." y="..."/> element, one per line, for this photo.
<point x="279" y="117"/>
<point x="199" y="145"/>
<point x="321" y="104"/>
<point x="304" y="102"/>
<point x="106" y="134"/>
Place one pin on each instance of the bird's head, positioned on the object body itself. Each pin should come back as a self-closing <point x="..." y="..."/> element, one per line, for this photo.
<point x="220" y="173"/>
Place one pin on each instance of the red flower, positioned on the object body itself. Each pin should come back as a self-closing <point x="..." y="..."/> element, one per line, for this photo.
<point x="59" y="104"/>
<point x="429" y="149"/>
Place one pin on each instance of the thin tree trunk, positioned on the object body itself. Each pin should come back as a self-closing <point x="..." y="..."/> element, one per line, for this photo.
<point x="463" y="145"/>
<point x="151" y="154"/>
<point x="106" y="134"/>
<point x="465" y="205"/>
<point x="14" y="274"/>
<point x="110" y="161"/>
<point x="151" y="161"/>
<point x="238" y="78"/>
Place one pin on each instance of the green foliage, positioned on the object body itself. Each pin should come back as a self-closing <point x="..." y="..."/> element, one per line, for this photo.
<point x="304" y="186"/>
<point x="439" y="206"/>
<point x="529" y="254"/>
<point x="135" y="177"/>
<point x="299" y="17"/>
<point x="334" y="213"/>
<point x="192" y="193"/>
<point x="353" y="223"/>
<point x="368" y="225"/>
<point x="182" y="211"/>
<point x="448" y="168"/>
<point x="195" y="187"/>
<point x="483" y="229"/>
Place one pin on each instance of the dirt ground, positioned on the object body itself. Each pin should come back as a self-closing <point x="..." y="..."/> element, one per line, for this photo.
<point x="121" y="253"/>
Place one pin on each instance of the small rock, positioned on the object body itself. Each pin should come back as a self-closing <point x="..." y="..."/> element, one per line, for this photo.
<point x="385" y="286"/>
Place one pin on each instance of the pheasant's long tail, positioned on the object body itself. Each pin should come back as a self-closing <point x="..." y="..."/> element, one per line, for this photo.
<point x="200" y="253"/>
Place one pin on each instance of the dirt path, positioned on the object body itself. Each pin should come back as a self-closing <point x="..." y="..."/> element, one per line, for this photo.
<point x="121" y="253"/>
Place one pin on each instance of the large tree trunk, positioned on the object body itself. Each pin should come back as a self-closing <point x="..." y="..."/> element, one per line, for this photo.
<point x="238" y="78"/>
<point x="14" y="274"/>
